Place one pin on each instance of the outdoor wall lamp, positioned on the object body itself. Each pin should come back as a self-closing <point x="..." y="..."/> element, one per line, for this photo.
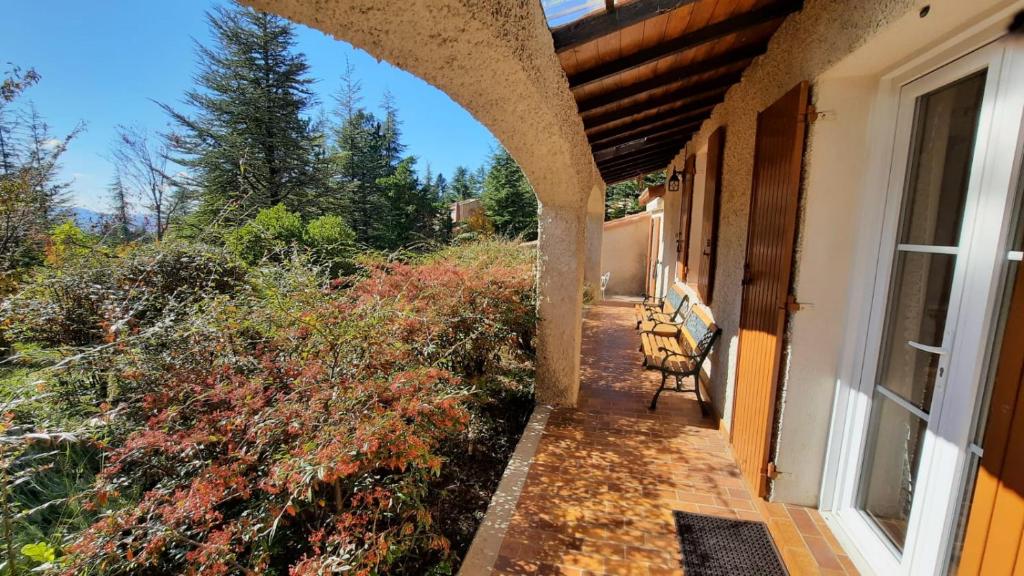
<point x="676" y="180"/>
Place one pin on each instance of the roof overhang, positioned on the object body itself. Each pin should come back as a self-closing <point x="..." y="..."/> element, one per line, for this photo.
<point x="646" y="74"/>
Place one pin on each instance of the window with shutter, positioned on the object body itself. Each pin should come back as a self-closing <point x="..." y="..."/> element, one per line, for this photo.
<point x="712" y="205"/>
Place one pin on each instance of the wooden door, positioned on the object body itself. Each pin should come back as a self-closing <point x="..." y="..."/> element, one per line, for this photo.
<point x="685" y="208"/>
<point x="994" y="541"/>
<point x="771" y="233"/>
<point x="653" y="250"/>
<point x="712" y="206"/>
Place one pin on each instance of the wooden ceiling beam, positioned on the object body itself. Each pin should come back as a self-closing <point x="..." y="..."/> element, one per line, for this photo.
<point x="666" y="133"/>
<point x="716" y="87"/>
<point x="622" y="176"/>
<point x="670" y="142"/>
<point x="699" y="95"/>
<point x="698" y="37"/>
<point x="733" y="58"/>
<point x="652" y="122"/>
<point x="659" y="155"/>
<point x="613" y="19"/>
<point x="652" y="155"/>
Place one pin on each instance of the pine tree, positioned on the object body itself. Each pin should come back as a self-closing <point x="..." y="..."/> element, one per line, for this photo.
<point x="442" y="188"/>
<point x="463" y="186"/>
<point x="247" y="141"/>
<point x="411" y="208"/>
<point x="391" y="130"/>
<point x="359" y="163"/>
<point x="32" y="196"/>
<point x="508" y="198"/>
<point x="43" y="153"/>
<point x="120" y="221"/>
<point x="622" y="199"/>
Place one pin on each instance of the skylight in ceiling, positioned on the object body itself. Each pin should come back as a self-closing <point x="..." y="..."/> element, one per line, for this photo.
<point x="561" y="12"/>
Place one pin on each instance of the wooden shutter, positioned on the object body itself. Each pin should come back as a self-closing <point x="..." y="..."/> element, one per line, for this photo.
<point x="994" y="541"/>
<point x="685" y="208"/>
<point x="712" y="206"/>
<point x="771" y="234"/>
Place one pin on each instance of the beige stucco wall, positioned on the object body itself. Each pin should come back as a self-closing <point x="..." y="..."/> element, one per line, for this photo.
<point x="624" y="252"/>
<point x="595" y="240"/>
<point x="842" y="47"/>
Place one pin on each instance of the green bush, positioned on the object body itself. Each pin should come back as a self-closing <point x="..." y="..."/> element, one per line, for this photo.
<point x="270" y="235"/>
<point x="331" y="243"/>
<point x="276" y="234"/>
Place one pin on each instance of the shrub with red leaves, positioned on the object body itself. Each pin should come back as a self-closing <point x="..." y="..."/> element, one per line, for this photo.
<point x="305" y="432"/>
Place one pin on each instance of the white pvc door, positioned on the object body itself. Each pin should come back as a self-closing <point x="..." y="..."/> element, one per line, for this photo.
<point x="945" y="215"/>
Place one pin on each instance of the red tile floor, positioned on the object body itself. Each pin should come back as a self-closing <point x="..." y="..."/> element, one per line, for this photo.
<point x="607" y="475"/>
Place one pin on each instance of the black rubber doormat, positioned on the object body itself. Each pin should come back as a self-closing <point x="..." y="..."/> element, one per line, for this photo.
<point x="714" y="546"/>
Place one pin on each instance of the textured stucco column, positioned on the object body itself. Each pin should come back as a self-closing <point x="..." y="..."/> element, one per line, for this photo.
<point x="560" y="302"/>
<point x="595" y="230"/>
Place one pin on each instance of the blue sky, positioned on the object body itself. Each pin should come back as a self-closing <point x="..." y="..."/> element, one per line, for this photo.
<point x="103" y="63"/>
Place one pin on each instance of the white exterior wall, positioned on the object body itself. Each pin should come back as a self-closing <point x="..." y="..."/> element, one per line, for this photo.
<point x="843" y="48"/>
<point x="624" y="252"/>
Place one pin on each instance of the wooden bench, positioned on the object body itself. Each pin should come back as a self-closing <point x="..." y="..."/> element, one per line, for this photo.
<point x="682" y="354"/>
<point x="665" y="309"/>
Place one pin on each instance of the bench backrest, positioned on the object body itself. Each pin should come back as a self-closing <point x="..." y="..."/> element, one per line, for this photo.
<point x="676" y="303"/>
<point x="699" y="333"/>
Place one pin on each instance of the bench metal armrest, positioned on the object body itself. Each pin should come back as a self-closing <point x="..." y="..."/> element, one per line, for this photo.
<point x="653" y="300"/>
<point x="671" y="354"/>
<point x="653" y="329"/>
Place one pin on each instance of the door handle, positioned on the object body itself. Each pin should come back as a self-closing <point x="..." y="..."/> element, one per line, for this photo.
<point x="925" y="348"/>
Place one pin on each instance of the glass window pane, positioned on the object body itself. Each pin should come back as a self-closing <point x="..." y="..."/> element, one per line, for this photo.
<point x="945" y="126"/>
<point x="890" y="467"/>
<point x="918" y="305"/>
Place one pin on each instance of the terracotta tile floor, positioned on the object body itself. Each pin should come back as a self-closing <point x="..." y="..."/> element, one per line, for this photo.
<point x="606" y="477"/>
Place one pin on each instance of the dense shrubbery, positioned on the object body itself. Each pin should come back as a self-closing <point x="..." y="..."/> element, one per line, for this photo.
<point x="275" y="234"/>
<point x="87" y="294"/>
<point x="264" y="421"/>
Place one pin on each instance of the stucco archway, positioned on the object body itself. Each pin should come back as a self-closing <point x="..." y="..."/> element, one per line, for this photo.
<point x="496" y="59"/>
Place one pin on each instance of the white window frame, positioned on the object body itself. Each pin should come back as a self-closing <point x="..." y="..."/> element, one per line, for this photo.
<point x="926" y="549"/>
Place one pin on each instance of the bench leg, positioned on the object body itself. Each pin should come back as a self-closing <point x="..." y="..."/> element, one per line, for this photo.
<point x="654" y="401"/>
<point x="700" y="400"/>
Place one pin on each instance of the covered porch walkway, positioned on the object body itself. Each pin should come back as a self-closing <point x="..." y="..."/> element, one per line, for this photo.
<point x="607" y="475"/>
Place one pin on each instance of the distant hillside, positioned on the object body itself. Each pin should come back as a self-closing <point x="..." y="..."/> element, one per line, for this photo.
<point x="86" y="218"/>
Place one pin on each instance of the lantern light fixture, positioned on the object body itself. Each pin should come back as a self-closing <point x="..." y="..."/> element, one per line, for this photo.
<point x="675" y="181"/>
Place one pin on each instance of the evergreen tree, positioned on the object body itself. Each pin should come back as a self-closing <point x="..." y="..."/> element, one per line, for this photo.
<point x="442" y="189"/>
<point x="359" y="163"/>
<point x="391" y="130"/>
<point x="120" y="219"/>
<point x="478" y="180"/>
<point x="247" y="141"/>
<point x="42" y="157"/>
<point x="623" y="199"/>
<point x="32" y="197"/>
<point x="463" y="186"/>
<point x="508" y="199"/>
<point x="411" y="207"/>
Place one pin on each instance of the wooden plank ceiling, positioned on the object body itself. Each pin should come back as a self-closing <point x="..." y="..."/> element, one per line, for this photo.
<point x="647" y="73"/>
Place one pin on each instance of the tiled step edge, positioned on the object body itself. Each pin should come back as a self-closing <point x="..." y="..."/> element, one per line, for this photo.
<point x="483" y="552"/>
